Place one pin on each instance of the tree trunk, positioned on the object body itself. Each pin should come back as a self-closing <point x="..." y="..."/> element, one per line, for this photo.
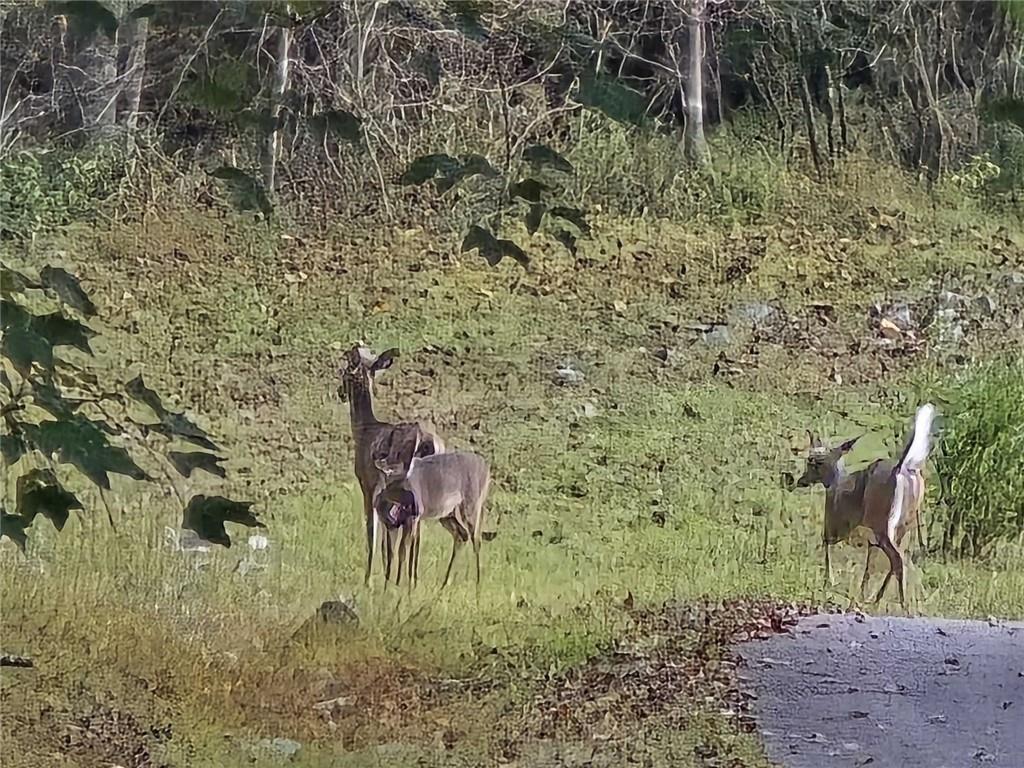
<point x="97" y="85"/>
<point x="133" y="33"/>
<point x="273" y="141"/>
<point x="696" y="143"/>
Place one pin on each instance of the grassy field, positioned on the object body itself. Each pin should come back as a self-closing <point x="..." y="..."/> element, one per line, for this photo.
<point x="651" y="483"/>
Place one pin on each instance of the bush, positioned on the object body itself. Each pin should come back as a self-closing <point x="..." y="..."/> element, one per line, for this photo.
<point x="42" y="188"/>
<point x="980" y="463"/>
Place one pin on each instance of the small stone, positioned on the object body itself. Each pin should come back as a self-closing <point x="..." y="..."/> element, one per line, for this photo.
<point x="566" y="374"/>
<point x="889" y="329"/>
<point x="985" y="304"/>
<point x="717" y="336"/>
<point x="949" y="300"/>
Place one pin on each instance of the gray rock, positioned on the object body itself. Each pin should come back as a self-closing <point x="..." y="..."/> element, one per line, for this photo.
<point x="756" y="314"/>
<point x="985" y="304"/>
<point x="569" y="374"/>
<point x="949" y="329"/>
<point x="717" y="336"/>
<point x="1014" y="282"/>
<point x="950" y="300"/>
<point x="286" y="748"/>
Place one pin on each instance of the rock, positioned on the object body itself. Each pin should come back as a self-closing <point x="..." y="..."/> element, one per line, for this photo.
<point x="569" y="374"/>
<point x="949" y="328"/>
<point x="756" y="314"/>
<point x="898" y="313"/>
<point x="286" y="748"/>
<point x="950" y="300"/>
<point x="985" y="304"/>
<point x="717" y="336"/>
<point x="889" y="329"/>
<point x="342" y="612"/>
<point x="1014" y="281"/>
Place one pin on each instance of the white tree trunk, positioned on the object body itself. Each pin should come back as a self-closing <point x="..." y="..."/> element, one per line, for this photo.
<point x="97" y="84"/>
<point x="696" y="143"/>
<point x="133" y="33"/>
<point x="273" y="141"/>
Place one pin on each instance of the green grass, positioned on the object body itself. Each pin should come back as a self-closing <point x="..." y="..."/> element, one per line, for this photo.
<point x="646" y="479"/>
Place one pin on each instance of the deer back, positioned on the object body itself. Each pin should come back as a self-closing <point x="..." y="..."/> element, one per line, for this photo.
<point x="445" y="481"/>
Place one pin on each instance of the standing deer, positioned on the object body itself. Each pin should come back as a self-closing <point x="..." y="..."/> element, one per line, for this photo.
<point x="884" y="497"/>
<point x="448" y="487"/>
<point x="377" y="442"/>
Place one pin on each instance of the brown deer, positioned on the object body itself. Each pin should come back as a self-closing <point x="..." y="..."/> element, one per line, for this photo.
<point x="884" y="497"/>
<point x="448" y="487"/>
<point x="377" y="442"/>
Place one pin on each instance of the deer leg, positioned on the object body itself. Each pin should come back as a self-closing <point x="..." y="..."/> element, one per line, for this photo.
<point x="387" y="545"/>
<point x="371" y="530"/>
<point x="459" y="536"/>
<point x="414" y="557"/>
<point x="403" y="550"/>
<point x="829" y="581"/>
<point x="867" y="571"/>
<point x="895" y="569"/>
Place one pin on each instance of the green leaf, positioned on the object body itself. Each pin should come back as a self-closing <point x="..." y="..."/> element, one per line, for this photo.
<point x="534" y="217"/>
<point x="170" y="424"/>
<point x="426" y="167"/>
<point x="81" y="443"/>
<point x="491" y="248"/>
<point x="13" y="527"/>
<point x="541" y="155"/>
<point x="12" y="281"/>
<point x="22" y="343"/>
<point x="12" y="448"/>
<point x="574" y="216"/>
<point x="1007" y="109"/>
<point x="40" y="493"/>
<point x="568" y="240"/>
<point x="618" y="102"/>
<point x="63" y="331"/>
<point x="529" y="190"/>
<point x="206" y="516"/>
<point x="337" y="123"/>
<point x="465" y="16"/>
<point x="86" y="17"/>
<point x="247" y="193"/>
<point x="68" y="289"/>
<point x="187" y="462"/>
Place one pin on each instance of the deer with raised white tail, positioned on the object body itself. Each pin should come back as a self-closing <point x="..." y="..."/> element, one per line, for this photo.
<point x="884" y="497"/>
<point x="448" y="487"/>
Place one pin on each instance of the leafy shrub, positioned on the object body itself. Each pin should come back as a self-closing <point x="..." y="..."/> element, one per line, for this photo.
<point x="56" y="412"/>
<point x="980" y="462"/>
<point x="42" y="189"/>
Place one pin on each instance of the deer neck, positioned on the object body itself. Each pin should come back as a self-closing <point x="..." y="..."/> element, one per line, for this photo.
<point x="835" y="475"/>
<point x="360" y="407"/>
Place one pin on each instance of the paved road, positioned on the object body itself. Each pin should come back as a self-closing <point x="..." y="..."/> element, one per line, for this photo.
<point x="846" y="691"/>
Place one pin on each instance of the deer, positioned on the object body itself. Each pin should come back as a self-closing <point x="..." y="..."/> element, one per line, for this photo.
<point x="884" y="497"/>
<point x="448" y="487"/>
<point x="377" y="442"/>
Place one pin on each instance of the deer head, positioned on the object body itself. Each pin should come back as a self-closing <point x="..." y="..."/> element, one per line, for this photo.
<point x="359" y="369"/>
<point x="824" y="465"/>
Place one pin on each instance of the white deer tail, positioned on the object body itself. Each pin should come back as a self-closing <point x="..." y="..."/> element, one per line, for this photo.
<point x="916" y="452"/>
<point x="910" y="464"/>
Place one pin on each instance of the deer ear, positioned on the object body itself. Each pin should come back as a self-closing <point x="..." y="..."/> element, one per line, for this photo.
<point x="847" y="446"/>
<point x="812" y="440"/>
<point x="384" y="360"/>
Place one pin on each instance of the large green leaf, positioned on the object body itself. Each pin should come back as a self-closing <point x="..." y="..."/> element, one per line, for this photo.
<point x="86" y="17"/>
<point x="68" y="289"/>
<point x="31" y="338"/>
<point x="534" y="216"/>
<point x="1007" y="109"/>
<point x="40" y="493"/>
<point x="80" y="442"/>
<point x="608" y="95"/>
<point x="574" y="216"/>
<point x="492" y="248"/>
<point x="12" y="281"/>
<point x="529" y="190"/>
<point x="187" y="462"/>
<point x="206" y="516"/>
<point x="541" y="156"/>
<point x="445" y="170"/>
<point x="337" y="123"/>
<point x="12" y="448"/>
<point x="170" y="424"/>
<point x="13" y="527"/>
<point x="246" y="192"/>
